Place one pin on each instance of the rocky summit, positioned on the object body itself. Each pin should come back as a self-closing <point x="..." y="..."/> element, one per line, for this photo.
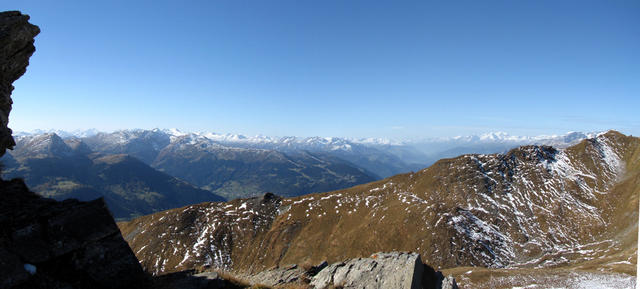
<point x="534" y="206"/>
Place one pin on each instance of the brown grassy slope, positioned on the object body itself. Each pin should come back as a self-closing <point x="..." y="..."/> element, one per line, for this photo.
<point x="534" y="206"/>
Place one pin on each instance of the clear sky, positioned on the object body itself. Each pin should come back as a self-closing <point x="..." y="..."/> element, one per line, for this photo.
<point x="397" y="69"/>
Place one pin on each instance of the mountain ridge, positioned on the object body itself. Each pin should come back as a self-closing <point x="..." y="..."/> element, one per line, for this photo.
<point x="382" y="157"/>
<point x="500" y="136"/>
<point x="464" y="211"/>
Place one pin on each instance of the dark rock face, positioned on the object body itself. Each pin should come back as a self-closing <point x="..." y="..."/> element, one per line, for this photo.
<point x="16" y="46"/>
<point x="50" y="244"/>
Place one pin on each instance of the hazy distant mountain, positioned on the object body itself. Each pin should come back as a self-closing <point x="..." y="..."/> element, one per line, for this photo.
<point x="62" y="169"/>
<point x="237" y="172"/>
<point x="61" y="133"/>
<point x="146" y="144"/>
<point x="142" y="144"/>
<point x="363" y="153"/>
<point x="532" y="207"/>
<point x="496" y="142"/>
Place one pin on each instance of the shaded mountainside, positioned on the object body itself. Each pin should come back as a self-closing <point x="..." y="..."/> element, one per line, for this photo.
<point x="535" y="206"/>
<point x="233" y="172"/>
<point x="142" y="144"/>
<point x="228" y="171"/>
<point x="62" y="169"/>
<point x="381" y="159"/>
<point x="147" y="144"/>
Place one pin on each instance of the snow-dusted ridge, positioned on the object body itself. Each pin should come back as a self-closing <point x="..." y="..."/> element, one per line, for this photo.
<point x="566" y="139"/>
<point x="569" y="138"/>
<point x="382" y="157"/>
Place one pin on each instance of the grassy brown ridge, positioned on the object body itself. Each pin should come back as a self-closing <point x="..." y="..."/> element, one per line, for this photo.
<point x="533" y="207"/>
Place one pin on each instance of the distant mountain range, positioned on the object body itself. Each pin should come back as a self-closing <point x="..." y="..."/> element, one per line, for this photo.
<point x="195" y="167"/>
<point x="163" y="168"/>
<point x="383" y="157"/>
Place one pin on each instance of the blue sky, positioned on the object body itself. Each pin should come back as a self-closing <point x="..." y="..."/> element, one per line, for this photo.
<point x="397" y="69"/>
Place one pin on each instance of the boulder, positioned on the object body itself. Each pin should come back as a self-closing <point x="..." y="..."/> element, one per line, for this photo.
<point x="380" y="271"/>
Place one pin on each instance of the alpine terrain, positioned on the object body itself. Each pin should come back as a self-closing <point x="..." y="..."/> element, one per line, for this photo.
<point x="532" y="207"/>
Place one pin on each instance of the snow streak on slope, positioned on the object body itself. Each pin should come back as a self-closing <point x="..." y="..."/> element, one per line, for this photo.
<point x="536" y="202"/>
<point x="204" y="235"/>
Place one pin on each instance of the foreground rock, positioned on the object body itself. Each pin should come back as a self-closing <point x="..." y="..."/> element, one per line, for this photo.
<point x="382" y="270"/>
<point x="69" y="244"/>
<point x="277" y="276"/>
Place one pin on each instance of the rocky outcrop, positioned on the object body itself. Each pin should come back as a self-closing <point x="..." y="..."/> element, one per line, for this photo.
<point x="50" y="244"/>
<point x="279" y="276"/>
<point x="381" y="270"/>
<point x="16" y="46"/>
